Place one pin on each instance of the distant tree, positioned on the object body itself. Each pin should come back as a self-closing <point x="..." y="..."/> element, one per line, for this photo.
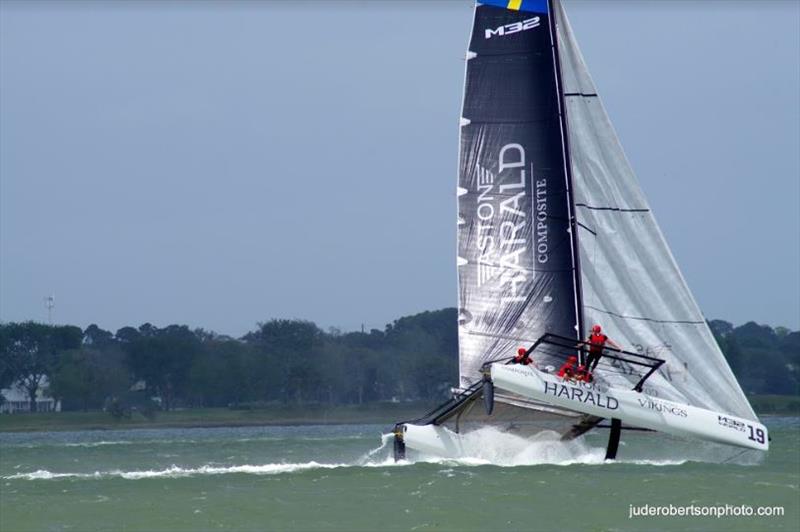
<point x="752" y="334"/>
<point x="7" y="370"/>
<point x="791" y="343"/>
<point x="363" y="366"/>
<point x="295" y="336"/>
<point x="162" y="358"/>
<point x="222" y="374"/>
<point x="428" y="343"/>
<point x="97" y="338"/>
<point x="30" y="352"/>
<point x="375" y="339"/>
<point x="127" y="335"/>
<point x="84" y="378"/>
<point x="148" y="329"/>
<point x="289" y="357"/>
<point x="735" y="356"/>
<point x="720" y="328"/>
<point x="205" y="336"/>
<point x="764" y="361"/>
<point x="789" y="347"/>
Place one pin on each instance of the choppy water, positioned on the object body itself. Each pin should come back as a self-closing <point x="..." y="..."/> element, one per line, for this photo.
<point x="343" y="478"/>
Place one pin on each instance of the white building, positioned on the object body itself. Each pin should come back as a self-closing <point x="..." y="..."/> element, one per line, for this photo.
<point x="17" y="400"/>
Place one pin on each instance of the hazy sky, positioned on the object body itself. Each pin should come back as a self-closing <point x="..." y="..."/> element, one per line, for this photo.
<point x="219" y="164"/>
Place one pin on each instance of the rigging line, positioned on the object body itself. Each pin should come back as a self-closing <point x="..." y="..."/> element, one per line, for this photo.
<point x="585" y="95"/>
<point x="617" y="209"/>
<point x="585" y="227"/>
<point x="737" y="455"/>
<point x="501" y="336"/>
<point x="687" y="322"/>
<point x="593" y="298"/>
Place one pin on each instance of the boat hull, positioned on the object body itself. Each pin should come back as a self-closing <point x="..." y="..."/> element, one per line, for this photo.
<point x="433" y="440"/>
<point x="633" y="408"/>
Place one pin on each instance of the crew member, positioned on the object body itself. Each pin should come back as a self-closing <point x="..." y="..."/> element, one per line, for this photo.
<point x="521" y="357"/>
<point x="597" y="341"/>
<point x="567" y="370"/>
<point x="583" y="374"/>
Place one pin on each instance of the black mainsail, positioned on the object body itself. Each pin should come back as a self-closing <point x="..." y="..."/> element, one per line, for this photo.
<point x="516" y="251"/>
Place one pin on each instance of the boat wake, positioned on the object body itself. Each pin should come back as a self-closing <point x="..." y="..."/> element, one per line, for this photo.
<point x="176" y="472"/>
<point x="172" y="442"/>
<point x="487" y="446"/>
<point x="492" y="446"/>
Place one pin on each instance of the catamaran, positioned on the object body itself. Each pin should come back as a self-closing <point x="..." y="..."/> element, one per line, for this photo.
<point x="555" y="234"/>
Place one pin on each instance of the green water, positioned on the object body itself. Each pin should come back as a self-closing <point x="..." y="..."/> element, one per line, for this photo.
<point x="324" y="478"/>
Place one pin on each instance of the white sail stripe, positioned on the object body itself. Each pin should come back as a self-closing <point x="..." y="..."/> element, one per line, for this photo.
<point x="642" y="318"/>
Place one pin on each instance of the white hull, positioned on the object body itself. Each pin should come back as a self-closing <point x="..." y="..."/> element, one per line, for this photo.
<point x="631" y="407"/>
<point x="433" y="440"/>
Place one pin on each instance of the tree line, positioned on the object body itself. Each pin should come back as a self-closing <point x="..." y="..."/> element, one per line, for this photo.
<point x="764" y="360"/>
<point x="295" y="362"/>
<point x="281" y="361"/>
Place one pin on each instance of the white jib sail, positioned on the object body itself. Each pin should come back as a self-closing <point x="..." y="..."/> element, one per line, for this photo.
<point x="631" y="283"/>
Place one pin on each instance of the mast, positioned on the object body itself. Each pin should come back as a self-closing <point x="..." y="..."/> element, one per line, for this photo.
<point x="573" y="225"/>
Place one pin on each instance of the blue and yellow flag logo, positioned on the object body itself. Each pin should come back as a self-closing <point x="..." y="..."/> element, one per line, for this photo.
<point x="536" y="6"/>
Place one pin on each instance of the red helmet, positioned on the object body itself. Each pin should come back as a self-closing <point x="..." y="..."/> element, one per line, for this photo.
<point x="596" y="329"/>
<point x="521" y="351"/>
<point x="572" y="359"/>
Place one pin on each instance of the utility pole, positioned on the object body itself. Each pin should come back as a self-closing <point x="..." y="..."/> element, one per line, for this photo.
<point x="50" y="303"/>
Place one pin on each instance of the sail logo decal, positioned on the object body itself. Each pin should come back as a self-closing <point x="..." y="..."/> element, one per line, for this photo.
<point x="731" y="423"/>
<point x="503" y="225"/>
<point x="516" y="27"/>
<point x="581" y="396"/>
<point x="486" y="267"/>
<point x="541" y="221"/>
<point x="660" y="406"/>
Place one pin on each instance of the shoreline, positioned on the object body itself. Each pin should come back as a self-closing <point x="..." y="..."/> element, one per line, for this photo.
<point x="369" y="413"/>
<point x="377" y="413"/>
